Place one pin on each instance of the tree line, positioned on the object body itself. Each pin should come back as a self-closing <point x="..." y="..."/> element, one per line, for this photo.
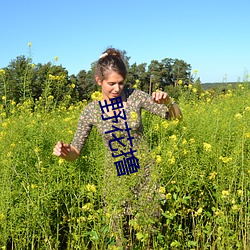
<point x="22" y="79"/>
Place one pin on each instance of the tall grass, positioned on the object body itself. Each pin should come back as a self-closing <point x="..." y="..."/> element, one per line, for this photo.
<point x="203" y="162"/>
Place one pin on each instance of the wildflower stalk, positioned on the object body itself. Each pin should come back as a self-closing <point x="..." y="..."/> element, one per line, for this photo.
<point x="4" y="97"/>
<point x="27" y="71"/>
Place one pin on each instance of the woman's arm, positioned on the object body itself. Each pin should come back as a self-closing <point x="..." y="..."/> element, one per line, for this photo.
<point x="159" y="104"/>
<point x="163" y="98"/>
<point x="70" y="152"/>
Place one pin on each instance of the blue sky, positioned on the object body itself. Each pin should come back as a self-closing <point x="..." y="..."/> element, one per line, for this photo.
<point x="212" y="36"/>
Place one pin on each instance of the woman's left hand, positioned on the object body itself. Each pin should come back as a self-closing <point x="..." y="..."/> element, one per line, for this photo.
<point x="161" y="97"/>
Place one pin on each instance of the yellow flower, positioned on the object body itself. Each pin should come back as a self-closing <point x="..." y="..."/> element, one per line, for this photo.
<point x="37" y="149"/>
<point x="171" y="160"/>
<point x="225" y="159"/>
<point x="169" y="153"/>
<point x="212" y="175"/>
<point x="156" y="127"/>
<point x="135" y="86"/>
<point x="134" y="116"/>
<point x="51" y="77"/>
<point x="3" y="97"/>
<point x="29" y="44"/>
<point x="195" y="71"/>
<point x="218" y="212"/>
<point x="81" y="219"/>
<point x="164" y="124"/>
<point x="173" y="137"/>
<point x="198" y="212"/>
<point x="168" y="196"/>
<point x="2" y="217"/>
<point x="191" y="140"/>
<point x="50" y="97"/>
<point x="96" y="96"/>
<point x="162" y="190"/>
<point x="61" y="161"/>
<point x="225" y="193"/>
<point x="87" y="207"/>
<point x="4" y="124"/>
<point x="184" y="141"/>
<point x="91" y="188"/>
<point x="137" y="81"/>
<point x="235" y="207"/>
<point x="158" y="159"/>
<point x="194" y="90"/>
<point x="247" y="135"/>
<point x="246" y="108"/>
<point x="73" y="85"/>
<point x="9" y="154"/>
<point x="239" y="192"/>
<point x="2" y="72"/>
<point x="108" y="215"/>
<point x="190" y="86"/>
<point x="90" y="217"/>
<point x="56" y="58"/>
<point x="180" y="82"/>
<point x="175" y="122"/>
<point x="207" y="147"/>
<point x="238" y="116"/>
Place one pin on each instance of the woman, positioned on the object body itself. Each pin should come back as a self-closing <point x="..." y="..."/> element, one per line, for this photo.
<point x="127" y="182"/>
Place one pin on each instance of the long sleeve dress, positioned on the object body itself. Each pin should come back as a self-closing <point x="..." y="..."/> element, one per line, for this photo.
<point x="127" y="193"/>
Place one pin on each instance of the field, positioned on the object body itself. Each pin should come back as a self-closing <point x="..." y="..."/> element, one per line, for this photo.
<point x="203" y="161"/>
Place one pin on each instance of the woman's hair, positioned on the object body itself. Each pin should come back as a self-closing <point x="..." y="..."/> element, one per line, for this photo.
<point x="110" y="60"/>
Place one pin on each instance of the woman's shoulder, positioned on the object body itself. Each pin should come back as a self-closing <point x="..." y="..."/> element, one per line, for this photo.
<point x="135" y="93"/>
<point x="91" y="107"/>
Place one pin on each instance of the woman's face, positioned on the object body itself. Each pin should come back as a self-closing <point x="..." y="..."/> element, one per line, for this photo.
<point x="112" y="86"/>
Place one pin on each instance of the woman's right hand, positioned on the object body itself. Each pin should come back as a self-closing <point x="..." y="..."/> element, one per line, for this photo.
<point x="61" y="149"/>
<point x="66" y="151"/>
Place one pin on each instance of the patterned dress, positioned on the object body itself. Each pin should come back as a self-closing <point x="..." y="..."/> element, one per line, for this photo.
<point x="128" y="194"/>
<point x="136" y="101"/>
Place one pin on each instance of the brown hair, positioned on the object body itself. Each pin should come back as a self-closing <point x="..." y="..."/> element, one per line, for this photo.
<point x="110" y="60"/>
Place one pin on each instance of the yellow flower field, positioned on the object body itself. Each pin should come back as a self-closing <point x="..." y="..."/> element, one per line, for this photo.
<point x="203" y="162"/>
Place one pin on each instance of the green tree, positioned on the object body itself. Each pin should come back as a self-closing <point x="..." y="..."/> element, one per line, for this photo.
<point x="181" y="71"/>
<point x="138" y="73"/>
<point x="168" y="72"/>
<point x="52" y="80"/>
<point x="18" y="79"/>
<point x="86" y="84"/>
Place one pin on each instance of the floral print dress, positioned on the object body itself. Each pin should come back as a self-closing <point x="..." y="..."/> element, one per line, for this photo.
<point x="136" y="192"/>
<point x="136" y="101"/>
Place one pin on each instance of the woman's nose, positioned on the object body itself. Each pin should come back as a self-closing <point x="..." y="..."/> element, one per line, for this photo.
<point x="116" y="87"/>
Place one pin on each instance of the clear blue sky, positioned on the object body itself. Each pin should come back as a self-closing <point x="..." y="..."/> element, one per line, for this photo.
<point x="212" y="36"/>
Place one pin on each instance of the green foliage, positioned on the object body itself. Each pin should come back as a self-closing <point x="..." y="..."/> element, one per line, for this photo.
<point x="203" y="162"/>
<point x="25" y="80"/>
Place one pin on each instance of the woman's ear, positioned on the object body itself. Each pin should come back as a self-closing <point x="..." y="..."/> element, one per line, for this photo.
<point x="98" y="80"/>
